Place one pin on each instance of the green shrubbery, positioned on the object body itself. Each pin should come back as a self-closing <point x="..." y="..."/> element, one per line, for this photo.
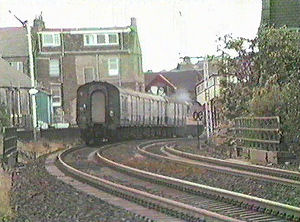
<point x="261" y="77"/>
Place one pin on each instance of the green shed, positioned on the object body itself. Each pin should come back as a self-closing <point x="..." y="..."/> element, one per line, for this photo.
<point x="43" y="109"/>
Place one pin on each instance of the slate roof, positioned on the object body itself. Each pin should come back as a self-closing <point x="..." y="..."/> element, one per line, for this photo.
<point x="181" y="79"/>
<point x="10" y="77"/>
<point x="13" y="42"/>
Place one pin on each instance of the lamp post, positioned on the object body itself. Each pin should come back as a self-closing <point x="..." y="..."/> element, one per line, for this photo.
<point x="33" y="89"/>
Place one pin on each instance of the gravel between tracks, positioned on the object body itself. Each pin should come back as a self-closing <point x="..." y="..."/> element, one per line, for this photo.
<point x="285" y="194"/>
<point x="40" y="197"/>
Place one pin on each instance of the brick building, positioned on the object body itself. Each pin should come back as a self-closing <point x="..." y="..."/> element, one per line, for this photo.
<point x="68" y="58"/>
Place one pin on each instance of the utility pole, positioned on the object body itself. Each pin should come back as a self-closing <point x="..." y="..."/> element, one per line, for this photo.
<point x="208" y="113"/>
<point x="33" y="89"/>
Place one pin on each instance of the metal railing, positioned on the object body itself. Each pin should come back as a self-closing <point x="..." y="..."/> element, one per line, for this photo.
<point x="261" y="133"/>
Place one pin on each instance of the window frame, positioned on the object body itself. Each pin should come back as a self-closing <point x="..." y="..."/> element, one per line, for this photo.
<point x="110" y="71"/>
<point x="58" y="66"/>
<point x="18" y="65"/>
<point x="106" y="39"/>
<point x="56" y="104"/>
<point x="54" y="43"/>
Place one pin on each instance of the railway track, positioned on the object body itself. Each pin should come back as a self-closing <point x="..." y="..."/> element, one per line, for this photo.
<point x="164" y="205"/>
<point x="292" y="177"/>
<point x="259" y="172"/>
<point x="197" y="202"/>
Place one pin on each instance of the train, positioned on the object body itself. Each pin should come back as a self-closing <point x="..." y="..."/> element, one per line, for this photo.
<point x="107" y="112"/>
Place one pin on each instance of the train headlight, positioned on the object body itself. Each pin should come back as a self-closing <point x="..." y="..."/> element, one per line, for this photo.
<point x="111" y="113"/>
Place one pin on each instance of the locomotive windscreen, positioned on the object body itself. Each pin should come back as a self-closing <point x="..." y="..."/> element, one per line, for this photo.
<point x="98" y="107"/>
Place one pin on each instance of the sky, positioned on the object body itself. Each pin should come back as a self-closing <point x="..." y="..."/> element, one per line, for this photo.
<point x="168" y="29"/>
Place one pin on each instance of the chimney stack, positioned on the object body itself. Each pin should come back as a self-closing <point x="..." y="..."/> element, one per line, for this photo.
<point x="133" y="21"/>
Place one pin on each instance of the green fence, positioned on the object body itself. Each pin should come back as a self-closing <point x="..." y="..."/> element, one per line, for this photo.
<point x="258" y="133"/>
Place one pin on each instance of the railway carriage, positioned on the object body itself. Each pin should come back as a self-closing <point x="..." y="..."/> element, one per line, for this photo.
<point x="105" y="111"/>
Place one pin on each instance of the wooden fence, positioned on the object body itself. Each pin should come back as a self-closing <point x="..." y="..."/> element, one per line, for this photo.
<point x="261" y="133"/>
<point x="9" y="146"/>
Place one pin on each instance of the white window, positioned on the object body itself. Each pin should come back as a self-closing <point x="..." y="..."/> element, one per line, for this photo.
<point x="54" y="68"/>
<point x="113" y="67"/>
<point x="17" y="65"/>
<point x="89" y="40"/>
<point x="89" y="74"/>
<point x="56" y="94"/>
<point x="51" y="39"/>
<point x="101" y="39"/>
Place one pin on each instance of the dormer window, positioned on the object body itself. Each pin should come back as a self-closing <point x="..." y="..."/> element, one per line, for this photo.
<point x="101" y="39"/>
<point x="51" y="39"/>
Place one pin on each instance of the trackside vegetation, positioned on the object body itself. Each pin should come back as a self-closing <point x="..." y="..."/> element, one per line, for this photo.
<point x="261" y="77"/>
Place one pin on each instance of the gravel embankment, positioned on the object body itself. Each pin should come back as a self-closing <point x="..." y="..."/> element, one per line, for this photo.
<point x="40" y="197"/>
<point x="242" y="184"/>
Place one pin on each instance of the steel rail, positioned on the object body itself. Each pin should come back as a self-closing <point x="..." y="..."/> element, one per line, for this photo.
<point x="259" y="203"/>
<point x="178" y="209"/>
<point x="259" y="169"/>
<point x="224" y="169"/>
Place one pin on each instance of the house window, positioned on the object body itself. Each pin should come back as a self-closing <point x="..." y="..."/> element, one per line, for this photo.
<point x="54" y="68"/>
<point x="89" y="75"/>
<point x="89" y="40"/>
<point x="113" y="67"/>
<point x="51" y="39"/>
<point x="17" y="65"/>
<point x="101" y="39"/>
<point x="56" y="94"/>
<point x="112" y="38"/>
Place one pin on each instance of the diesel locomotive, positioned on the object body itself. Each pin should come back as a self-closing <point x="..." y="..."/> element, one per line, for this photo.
<point x="108" y="112"/>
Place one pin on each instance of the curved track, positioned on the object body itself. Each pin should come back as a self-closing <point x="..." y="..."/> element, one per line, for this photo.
<point x="190" y="202"/>
<point x="261" y="172"/>
<point x="228" y="202"/>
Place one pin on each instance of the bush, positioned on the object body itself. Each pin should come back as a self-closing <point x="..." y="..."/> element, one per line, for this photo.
<point x="266" y="74"/>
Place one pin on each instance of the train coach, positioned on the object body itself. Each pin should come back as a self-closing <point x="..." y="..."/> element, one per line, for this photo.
<point x="105" y="111"/>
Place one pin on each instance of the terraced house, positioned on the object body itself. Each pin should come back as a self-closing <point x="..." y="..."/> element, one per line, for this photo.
<point x="68" y="58"/>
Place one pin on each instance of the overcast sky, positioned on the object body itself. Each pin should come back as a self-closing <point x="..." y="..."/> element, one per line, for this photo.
<point x="167" y="29"/>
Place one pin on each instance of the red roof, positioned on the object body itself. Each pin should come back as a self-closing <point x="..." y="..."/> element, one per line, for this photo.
<point x="160" y="80"/>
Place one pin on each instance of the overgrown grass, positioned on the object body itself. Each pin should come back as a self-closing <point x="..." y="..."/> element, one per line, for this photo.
<point x="6" y="212"/>
<point x="41" y="147"/>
